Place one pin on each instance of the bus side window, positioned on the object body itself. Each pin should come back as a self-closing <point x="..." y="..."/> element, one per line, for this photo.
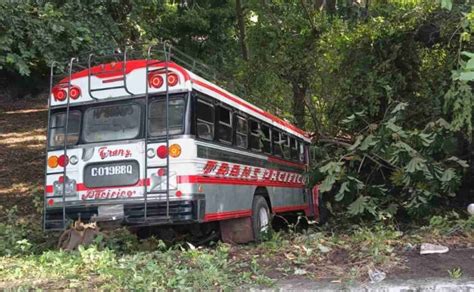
<point x="277" y="143"/>
<point x="255" y="143"/>
<point x="205" y="119"/>
<point x="224" y="125"/>
<point x="267" y="143"/>
<point x="301" y="149"/>
<point x="286" y="146"/>
<point x="241" y="130"/>
<point x="294" y="149"/>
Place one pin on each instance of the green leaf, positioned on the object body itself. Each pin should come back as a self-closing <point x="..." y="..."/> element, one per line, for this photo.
<point x="400" y="107"/>
<point x="344" y="188"/>
<point x="368" y="142"/>
<point x="466" y="76"/>
<point x="448" y="175"/>
<point x="447" y="4"/>
<point x="356" y="143"/>
<point x="349" y="119"/>
<point x="358" y="206"/>
<point x="327" y="183"/>
<point x="462" y="163"/>
<point x="415" y="164"/>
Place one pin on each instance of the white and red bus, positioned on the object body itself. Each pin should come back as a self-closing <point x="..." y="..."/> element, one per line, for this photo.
<point x="148" y="142"/>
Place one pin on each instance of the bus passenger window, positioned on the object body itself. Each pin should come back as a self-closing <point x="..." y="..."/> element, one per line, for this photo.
<point x="277" y="143"/>
<point x="267" y="145"/>
<point x="255" y="142"/>
<point x="205" y="120"/>
<point x="241" y="130"/>
<point x="224" y="126"/>
<point x="301" y="154"/>
<point x="294" y="149"/>
<point x="286" y="146"/>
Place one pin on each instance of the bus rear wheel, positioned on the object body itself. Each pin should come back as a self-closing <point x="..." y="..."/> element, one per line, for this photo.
<point x="261" y="218"/>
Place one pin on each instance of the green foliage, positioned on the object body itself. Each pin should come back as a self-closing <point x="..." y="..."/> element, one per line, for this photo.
<point x="390" y="168"/>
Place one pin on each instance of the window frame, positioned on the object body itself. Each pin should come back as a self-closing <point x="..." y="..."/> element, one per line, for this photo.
<point x="157" y="99"/>
<point x="236" y="133"/>
<point x="275" y="145"/>
<point x="268" y="140"/>
<point x="252" y="134"/>
<point x="209" y="102"/>
<point x="218" y="122"/>
<point x="140" y="125"/>
<point x="79" y="138"/>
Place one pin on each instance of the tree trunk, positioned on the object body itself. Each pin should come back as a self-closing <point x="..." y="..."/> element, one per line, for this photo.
<point x="299" y="93"/>
<point x="241" y="29"/>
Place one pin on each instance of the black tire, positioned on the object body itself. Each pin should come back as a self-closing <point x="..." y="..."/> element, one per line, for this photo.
<point x="259" y="231"/>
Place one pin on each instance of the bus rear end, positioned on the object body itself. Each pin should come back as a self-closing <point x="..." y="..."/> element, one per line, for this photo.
<point x="110" y="145"/>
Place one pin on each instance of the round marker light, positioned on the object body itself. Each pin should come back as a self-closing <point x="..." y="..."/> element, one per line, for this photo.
<point x="60" y="95"/>
<point x="179" y="194"/>
<point x="61" y="179"/>
<point x="63" y="160"/>
<point x="53" y="161"/>
<point x="74" y="160"/>
<point x="150" y="153"/>
<point x="175" y="150"/>
<point x="172" y="79"/>
<point x="75" y="92"/>
<point x="50" y="202"/>
<point x="161" y="172"/>
<point x="162" y="151"/>
<point x="155" y="81"/>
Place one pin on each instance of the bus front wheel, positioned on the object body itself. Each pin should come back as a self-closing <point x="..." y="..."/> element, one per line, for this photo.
<point x="261" y="217"/>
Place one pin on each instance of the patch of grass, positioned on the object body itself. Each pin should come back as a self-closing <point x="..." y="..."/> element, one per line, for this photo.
<point x="92" y="267"/>
<point x="455" y="273"/>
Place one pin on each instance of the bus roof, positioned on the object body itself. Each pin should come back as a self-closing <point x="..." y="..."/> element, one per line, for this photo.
<point x="115" y="72"/>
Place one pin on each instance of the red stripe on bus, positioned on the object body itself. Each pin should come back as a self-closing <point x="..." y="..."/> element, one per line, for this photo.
<point x="235" y="181"/>
<point x="99" y="71"/>
<point x="249" y="106"/>
<point x="82" y="187"/>
<point x="113" y="80"/>
<point x="247" y="213"/>
<point x="227" y="215"/>
<point x="284" y="209"/>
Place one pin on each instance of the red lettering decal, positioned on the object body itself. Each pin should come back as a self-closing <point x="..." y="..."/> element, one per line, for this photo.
<point x="274" y="175"/>
<point x="246" y="172"/>
<point x="256" y="171"/>
<point x="209" y="167"/>
<point x="223" y="169"/>
<point x="235" y="170"/>
<point x="102" y="152"/>
<point x="281" y="176"/>
<point x="266" y="174"/>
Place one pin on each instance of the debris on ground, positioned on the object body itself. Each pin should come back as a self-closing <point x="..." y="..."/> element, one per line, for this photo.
<point x="376" y="276"/>
<point x="429" y="248"/>
<point x="78" y="234"/>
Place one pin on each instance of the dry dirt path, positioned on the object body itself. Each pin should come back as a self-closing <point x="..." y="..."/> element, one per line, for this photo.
<point x="22" y="156"/>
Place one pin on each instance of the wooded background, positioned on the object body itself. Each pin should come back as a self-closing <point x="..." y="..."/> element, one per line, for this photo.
<point x="384" y="86"/>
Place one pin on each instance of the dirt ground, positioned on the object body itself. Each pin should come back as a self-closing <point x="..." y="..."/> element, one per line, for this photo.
<point x="436" y="265"/>
<point x="22" y="159"/>
<point x="22" y="156"/>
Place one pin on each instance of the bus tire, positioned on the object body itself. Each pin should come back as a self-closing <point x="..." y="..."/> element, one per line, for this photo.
<point x="261" y="217"/>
